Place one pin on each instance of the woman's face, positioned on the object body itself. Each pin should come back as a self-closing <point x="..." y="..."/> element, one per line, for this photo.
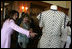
<point x="25" y="19"/>
<point x="15" y="16"/>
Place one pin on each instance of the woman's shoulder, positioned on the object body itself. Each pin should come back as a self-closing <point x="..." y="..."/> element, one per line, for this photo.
<point x="11" y="20"/>
<point x="8" y="21"/>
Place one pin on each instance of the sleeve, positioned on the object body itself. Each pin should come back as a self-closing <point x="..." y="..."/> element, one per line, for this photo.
<point x="40" y="18"/>
<point x="19" y="29"/>
<point x="64" y="30"/>
<point x="69" y="31"/>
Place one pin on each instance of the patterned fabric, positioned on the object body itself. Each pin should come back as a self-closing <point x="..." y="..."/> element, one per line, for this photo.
<point x="23" y="38"/>
<point x="53" y="26"/>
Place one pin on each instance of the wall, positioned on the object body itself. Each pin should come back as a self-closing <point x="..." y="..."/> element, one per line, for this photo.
<point x="65" y="4"/>
<point x="59" y="3"/>
<point x="17" y="5"/>
<point x="68" y="5"/>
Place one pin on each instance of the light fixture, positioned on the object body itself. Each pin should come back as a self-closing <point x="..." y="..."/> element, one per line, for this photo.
<point x="22" y="7"/>
<point x="26" y="8"/>
<point x="1" y="9"/>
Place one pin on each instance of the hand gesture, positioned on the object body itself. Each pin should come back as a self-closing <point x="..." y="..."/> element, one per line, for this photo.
<point x="32" y="34"/>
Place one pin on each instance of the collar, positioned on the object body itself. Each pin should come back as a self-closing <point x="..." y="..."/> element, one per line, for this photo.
<point x="53" y="9"/>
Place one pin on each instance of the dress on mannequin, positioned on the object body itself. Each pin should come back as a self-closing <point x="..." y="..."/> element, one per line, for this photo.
<point x="52" y="22"/>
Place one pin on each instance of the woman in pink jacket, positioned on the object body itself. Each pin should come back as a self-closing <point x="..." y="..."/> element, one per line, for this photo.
<point x="8" y="27"/>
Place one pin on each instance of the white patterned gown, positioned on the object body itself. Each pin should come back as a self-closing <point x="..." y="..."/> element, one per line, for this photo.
<point x="53" y="26"/>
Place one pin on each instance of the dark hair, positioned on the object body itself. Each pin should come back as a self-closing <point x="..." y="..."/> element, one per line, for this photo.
<point x="18" y="15"/>
<point x="11" y="14"/>
<point x="25" y="15"/>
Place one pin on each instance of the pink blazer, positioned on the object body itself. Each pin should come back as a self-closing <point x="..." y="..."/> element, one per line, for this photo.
<point x="7" y="30"/>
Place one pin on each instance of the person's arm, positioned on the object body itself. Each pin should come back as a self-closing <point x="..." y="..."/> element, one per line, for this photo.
<point x="40" y="18"/>
<point x="69" y="30"/>
<point x="64" y="30"/>
<point x="18" y="29"/>
<point x="64" y="33"/>
<point x="21" y="30"/>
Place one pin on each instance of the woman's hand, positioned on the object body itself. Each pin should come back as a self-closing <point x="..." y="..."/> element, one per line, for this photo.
<point x="32" y="34"/>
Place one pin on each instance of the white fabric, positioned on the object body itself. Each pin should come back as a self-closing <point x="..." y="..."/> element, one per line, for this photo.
<point x="68" y="42"/>
<point x="69" y="30"/>
<point x="53" y="24"/>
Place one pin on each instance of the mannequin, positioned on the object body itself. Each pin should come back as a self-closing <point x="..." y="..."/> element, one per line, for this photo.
<point x="53" y="7"/>
<point x="52" y="24"/>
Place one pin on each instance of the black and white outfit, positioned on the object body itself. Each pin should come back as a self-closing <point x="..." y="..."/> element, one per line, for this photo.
<point x="52" y="22"/>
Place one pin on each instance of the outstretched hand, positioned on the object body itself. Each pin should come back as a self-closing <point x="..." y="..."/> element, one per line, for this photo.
<point x="32" y="34"/>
